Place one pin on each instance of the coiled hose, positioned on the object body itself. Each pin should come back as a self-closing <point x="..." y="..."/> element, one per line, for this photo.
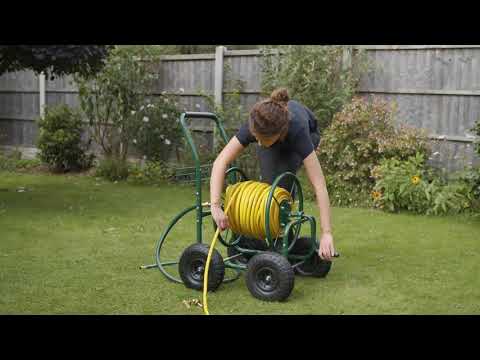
<point x="246" y="208"/>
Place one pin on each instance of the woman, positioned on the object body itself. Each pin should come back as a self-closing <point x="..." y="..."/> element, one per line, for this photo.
<point x="287" y="136"/>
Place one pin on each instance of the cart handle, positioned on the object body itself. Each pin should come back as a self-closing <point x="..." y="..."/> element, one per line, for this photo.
<point x="188" y="135"/>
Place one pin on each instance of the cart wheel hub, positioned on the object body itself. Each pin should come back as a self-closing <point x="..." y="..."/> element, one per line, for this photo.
<point x="266" y="280"/>
<point x="198" y="268"/>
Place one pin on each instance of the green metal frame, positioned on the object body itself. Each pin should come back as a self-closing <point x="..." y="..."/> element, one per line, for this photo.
<point x="291" y="222"/>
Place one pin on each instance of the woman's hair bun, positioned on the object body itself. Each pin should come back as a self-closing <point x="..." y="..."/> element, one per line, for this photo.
<point x="280" y="95"/>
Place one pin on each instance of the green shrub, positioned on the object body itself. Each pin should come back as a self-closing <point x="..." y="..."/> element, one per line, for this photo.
<point x="470" y="177"/>
<point x="341" y="193"/>
<point x="28" y="164"/>
<point x="60" y="140"/>
<point x="112" y="169"/>
<point x="411" y="185"/>
<point x="345" y="194"/>
<point x="476" y="131"/>
<point x="7" y="163"/>
<point x="14" y="162"/>
<point x="314" y="75"/>
<point x="360" y="136"/>
<point x="454" y="197"/>
<point x="150" y="173"/>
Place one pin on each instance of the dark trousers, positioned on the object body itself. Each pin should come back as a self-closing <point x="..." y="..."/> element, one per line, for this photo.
<point x="275" y="163"/>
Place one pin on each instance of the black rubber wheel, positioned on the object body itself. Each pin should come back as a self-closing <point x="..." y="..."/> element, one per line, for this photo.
<point x="246" y="243"/>
<point x="270" y="277"/>
<point x="314" y="266"/>
<point x="192" y="267"/>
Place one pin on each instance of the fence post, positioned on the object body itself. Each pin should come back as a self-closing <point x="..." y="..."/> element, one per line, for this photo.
<point x="41" y="90"/>
<point x="347" y="57"/>
<point x="218" y="84"/>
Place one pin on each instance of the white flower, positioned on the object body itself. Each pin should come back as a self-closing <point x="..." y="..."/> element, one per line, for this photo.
<point x="197" y="106"/>
<point x="145" y="119"/>
<point x="164" y="116"/>
<point x="168" y="142"/>
<point x="442" y="137"/>
<point x="182" y="90"/>
<point x="142" y="107"/>
<point x="162" y="136"/>
<point x="436" y="153"/>
<point x="150" y="106"/>
<point x="134" y="141"/>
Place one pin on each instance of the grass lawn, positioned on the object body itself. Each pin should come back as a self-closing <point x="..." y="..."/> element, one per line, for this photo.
<point x="73" y="245"/>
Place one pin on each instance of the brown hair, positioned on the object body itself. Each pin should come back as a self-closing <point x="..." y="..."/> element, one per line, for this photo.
<point x="270" y="117"/>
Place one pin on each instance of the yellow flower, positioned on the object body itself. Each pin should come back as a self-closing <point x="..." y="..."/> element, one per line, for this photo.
<point x="376" y="195"/>
<point x="415" y="180"/>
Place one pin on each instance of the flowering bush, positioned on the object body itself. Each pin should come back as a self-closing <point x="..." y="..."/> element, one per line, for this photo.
<point x="159" y="132"/>
<point x="411" y="185"/>
<point x="112" y="99"/>
<point x="123" y="116"/>
<point x="402" y="185"/>
<point x="360" y="136"/>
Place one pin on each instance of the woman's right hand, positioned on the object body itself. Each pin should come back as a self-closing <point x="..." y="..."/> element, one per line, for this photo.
<point x="219" y="217"/>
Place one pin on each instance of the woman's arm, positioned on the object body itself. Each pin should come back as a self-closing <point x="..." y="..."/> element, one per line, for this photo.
<point x="229" y="153"/>
<point x="315" y="175"/>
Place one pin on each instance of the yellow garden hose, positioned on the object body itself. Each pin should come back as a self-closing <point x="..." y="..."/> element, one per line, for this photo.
<point x="246" y="208"/>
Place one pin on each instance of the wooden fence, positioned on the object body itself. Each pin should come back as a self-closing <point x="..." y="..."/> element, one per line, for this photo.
<point x="436" y="87"/>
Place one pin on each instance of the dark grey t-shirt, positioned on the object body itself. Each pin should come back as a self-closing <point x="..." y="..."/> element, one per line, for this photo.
<point x="302" y="137"/>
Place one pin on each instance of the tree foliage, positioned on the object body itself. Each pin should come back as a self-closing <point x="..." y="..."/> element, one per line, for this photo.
<point x="54" y="60"/>
<point x="314" y="75"/>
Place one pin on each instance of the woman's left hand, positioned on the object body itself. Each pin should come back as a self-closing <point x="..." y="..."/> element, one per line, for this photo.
<point x="326" y="249"/>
